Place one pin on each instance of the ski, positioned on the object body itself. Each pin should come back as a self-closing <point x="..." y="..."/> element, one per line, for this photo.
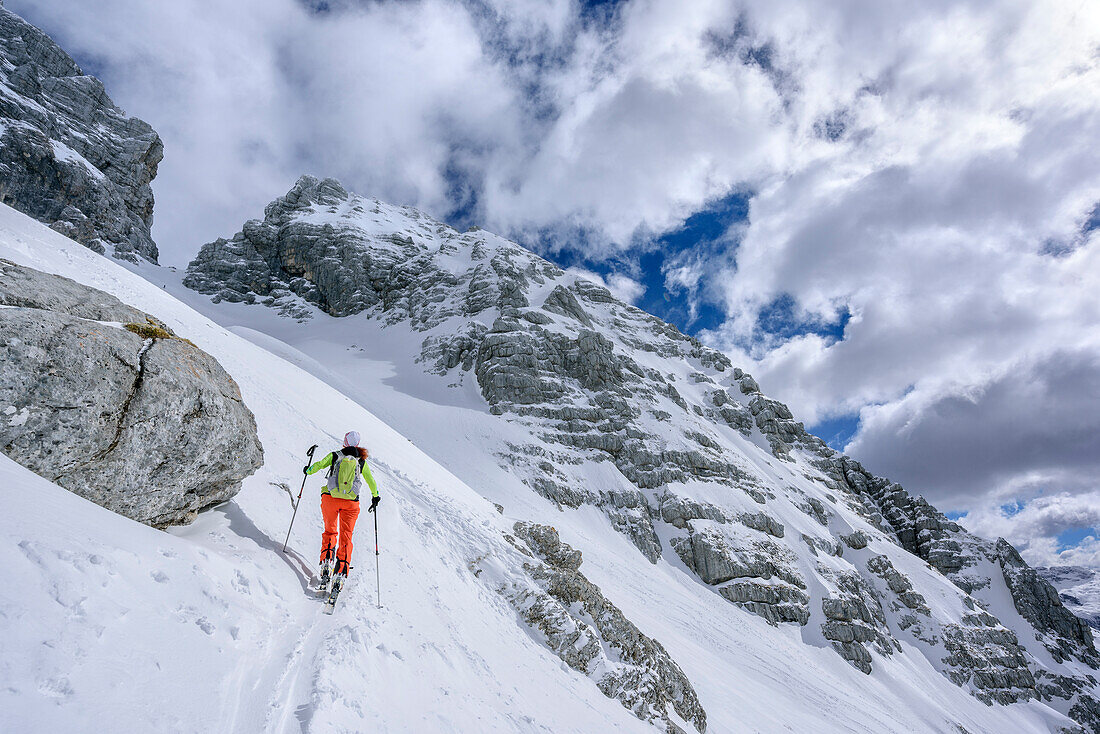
<point x="330" y="602"/>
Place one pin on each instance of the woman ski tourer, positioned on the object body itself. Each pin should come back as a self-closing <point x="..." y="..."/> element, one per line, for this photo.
<point x="340" y="506"/>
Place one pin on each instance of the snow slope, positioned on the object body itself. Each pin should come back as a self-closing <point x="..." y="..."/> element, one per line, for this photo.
<point x="111" y="626"/>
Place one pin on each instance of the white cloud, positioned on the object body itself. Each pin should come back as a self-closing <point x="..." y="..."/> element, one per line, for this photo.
<point x="972" y="358"/>
<point x="651" y="126"/>
<point x="1035" y="527"/>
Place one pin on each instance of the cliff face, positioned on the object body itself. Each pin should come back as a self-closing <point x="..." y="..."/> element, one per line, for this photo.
<point x="68" y="156"/>
<point x="678" y="448"/>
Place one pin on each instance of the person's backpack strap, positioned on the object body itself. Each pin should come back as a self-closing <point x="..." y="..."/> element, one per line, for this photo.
<point x="333" y="462"/>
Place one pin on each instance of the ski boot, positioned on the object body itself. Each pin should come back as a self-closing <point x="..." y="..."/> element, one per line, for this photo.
<point x="326" y="576"/>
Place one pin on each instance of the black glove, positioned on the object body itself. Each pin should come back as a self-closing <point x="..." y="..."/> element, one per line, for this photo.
<point x="374" y="503"/>
<point x="305" y="469"/>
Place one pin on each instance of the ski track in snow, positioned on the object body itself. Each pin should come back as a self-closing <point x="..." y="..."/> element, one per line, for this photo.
<point x="108" y="625"/>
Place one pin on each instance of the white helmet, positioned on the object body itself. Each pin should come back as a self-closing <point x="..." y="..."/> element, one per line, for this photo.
<point x="351" y="438"/>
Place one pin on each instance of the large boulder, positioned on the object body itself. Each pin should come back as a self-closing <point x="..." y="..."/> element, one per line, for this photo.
<point x="104" y="400"/>
<point x="68" y="156"/>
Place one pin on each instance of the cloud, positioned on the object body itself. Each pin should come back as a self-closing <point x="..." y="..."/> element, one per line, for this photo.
<point x="1035" y="528"/>
<point x="650" y="126"/>
<point x="1029" y="428"/>
<point x="972" y="354"/>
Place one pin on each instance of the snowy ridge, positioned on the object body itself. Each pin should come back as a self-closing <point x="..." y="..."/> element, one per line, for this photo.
<point x="620" y="423"/>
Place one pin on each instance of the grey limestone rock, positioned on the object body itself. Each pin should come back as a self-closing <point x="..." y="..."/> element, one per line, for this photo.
<point x="899" y="584"/>
<point x="677" y="510"/>
<point x="763" y="522"/>
<point x="829" y="547"/>
<point x="775" y="602"/>
<point x="561" y="301"/>
<point x="68" y="156"/>
<point x="982" y="654"/>
<point x="577" y="622"/>
<point x="990" y="659"/>
<point x="775" y="421"/>
<point x="149" y="427"/>
<point x="855" y="541"/>
<point x="924" y="531"/>
<point x="737" y="416"/>
<point x="815" y="509"/>
<point x="30" y="288"/>
<point x="719" y="554"/>
<point x="1078" y="588"/>
<point x="854" y="617"/>
<point x="1038" y="602"/>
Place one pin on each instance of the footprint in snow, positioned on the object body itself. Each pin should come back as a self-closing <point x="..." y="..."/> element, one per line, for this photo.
<point x="160" y="577"/>
<point x="240" y="583"/>
<point x="55" y="687"/>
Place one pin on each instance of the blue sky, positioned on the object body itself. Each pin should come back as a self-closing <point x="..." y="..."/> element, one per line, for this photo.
<point x="896" y="233"/>
<point x="692" y="312"/>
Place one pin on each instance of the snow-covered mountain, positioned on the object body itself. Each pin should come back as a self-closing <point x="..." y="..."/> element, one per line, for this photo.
<point x="693" y="497"/>
<point x="109" y="625"/>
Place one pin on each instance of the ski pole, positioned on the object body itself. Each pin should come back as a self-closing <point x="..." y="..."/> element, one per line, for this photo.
<point x="377" y="579"/>
<point x="310" y="454"/>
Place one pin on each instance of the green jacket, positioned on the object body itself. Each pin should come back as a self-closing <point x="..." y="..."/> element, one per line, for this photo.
<point x="333" y="485"/>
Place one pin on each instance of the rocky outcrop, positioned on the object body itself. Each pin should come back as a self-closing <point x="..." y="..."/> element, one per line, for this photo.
<point x="748" y="568"/>
<point x="898" y="583"/>
<point x="925" y="532"/>
<point x="311" y="248"/>
<point x="107" y="402"/>
<point x="591" y="635"/>
<point x="68" y="156"/>
<point x="854" y="618"/>
<point x="982" y="653"/>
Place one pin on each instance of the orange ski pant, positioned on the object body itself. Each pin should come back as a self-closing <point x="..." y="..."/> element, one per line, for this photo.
<point x="340" y="516"/>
